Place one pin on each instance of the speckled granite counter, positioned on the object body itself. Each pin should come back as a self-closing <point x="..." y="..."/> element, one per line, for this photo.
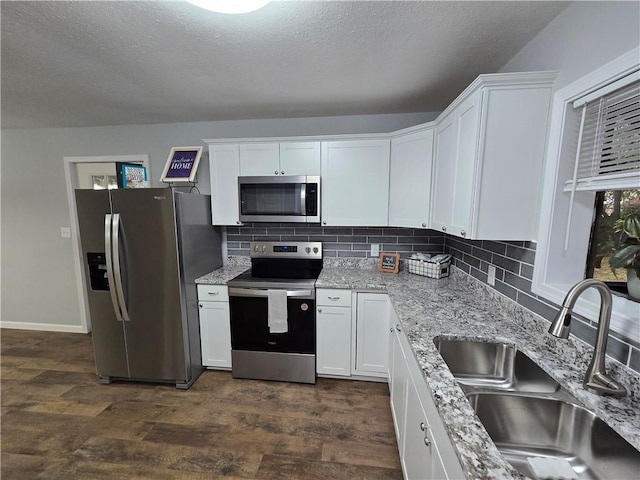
<point x="455" y="308"/>
<point x="221" y="276"/>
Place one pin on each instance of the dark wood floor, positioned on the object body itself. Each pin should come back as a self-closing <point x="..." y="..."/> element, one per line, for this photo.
<point x="57" y="422"/>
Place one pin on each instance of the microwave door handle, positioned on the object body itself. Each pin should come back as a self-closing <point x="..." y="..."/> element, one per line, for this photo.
<point x="303" y="199"/>
<point x="108" y="243"/>
<point x="117" y="270"/>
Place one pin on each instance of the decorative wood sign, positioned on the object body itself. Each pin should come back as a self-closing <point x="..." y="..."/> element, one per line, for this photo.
<point x="181" y="165"/>
<point x="389" y="262"/>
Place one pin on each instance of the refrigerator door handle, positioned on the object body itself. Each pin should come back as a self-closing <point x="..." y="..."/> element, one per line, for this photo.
<point x="109" y="257"/>
<point x="117" y="271"/>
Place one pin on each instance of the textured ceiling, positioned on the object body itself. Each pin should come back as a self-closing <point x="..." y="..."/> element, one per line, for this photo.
<point x="90" y="63"/>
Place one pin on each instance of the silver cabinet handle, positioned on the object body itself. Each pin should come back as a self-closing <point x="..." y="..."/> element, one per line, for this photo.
<point x="324" y="223"/>
<point x="424" y="225"/>
<point x="444" y="229"/>
<point x="463" y="233"/>
<point x="213" y="293"/>
<point x="423" y="427"/>
<point x="398" y="327"/>
<point x="276" y="172"/>
<point x="427" y="442"/>
<point x="334" y="298"/>
<point x="200" y="305"/>
<point x="281" y="172"/>
<point x="237" y="222"/>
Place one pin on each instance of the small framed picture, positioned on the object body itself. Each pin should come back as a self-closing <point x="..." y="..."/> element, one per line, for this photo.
<point x="131" y="175"/>
<point x="181" y="165"/>
<point x="389" y="262"/>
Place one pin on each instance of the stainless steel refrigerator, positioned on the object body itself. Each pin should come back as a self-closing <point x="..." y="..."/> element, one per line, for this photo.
<point x="142" y="250"/>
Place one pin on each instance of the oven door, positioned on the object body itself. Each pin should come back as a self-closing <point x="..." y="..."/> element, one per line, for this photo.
<point x="249" y="322"/>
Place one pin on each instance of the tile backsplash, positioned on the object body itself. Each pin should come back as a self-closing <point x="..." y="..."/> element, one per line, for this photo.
<point x="353" y="242"/>
<point x="513" y="262"/>
<point x="514" y="271"/>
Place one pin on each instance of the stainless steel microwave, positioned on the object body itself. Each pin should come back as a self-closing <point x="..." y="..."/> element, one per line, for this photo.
<point x="279" y="199"/>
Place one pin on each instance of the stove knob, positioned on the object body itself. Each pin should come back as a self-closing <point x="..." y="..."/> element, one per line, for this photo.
<point x="255" y="248"/>
<point x="315" y="249"/>
<point x="308" y="250"/>
<point x="264" y="248"/>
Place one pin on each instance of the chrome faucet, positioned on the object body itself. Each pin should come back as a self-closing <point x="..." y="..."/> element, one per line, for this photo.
<point x="596" y="379"/>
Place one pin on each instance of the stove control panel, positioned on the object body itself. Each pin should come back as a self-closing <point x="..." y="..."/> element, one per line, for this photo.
<point x="286" y="249"/>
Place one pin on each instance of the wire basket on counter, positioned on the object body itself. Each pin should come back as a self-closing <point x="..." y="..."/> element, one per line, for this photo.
<point x="437" y="266"/>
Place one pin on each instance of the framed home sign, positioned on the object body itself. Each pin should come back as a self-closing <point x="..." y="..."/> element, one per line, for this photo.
<point x="181" y="165"/>
<point x="389" y="262"/>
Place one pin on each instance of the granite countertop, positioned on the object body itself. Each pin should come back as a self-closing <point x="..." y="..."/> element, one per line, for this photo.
<point x="221" y="276"/>
<point x="455" y="308"/>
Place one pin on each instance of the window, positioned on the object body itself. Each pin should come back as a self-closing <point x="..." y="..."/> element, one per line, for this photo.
<point x="611" y="205"/>
<point x="568" y="197"/>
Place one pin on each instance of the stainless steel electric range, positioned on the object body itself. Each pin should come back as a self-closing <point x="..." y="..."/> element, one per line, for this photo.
<point x="273" y="313"/>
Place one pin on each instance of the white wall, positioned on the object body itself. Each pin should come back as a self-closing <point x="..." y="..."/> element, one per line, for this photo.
<point x="583" y="37"/>
<point x="38" y="283"/>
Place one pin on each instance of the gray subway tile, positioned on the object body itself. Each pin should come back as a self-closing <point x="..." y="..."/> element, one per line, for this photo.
<point x="367" y="231"/>
<point x="521" y="254"/>
<point x="473" y="261"/>
<point x="506" y="263"/>
<point x="520" y="283"/>
<point x="494" y="247"/>
<point x="536" y="306"/>
<point x="352" y="254"/>
<point x="481" y="254"/>
<point x="480" y="275"/>
<point x="634" y="363"/>
<point x="461" y="265"/>
<point x="381" y="239"/>
<point x="352" y="238"/>
<point x="505" y="289"/>
<point x="526" y="271"/>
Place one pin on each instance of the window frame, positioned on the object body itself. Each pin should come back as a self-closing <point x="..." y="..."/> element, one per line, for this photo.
<point x="556" y="270"/>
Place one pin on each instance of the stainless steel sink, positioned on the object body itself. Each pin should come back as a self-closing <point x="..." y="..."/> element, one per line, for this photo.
<point x="494" y="365"/>
<point x="524" y="426"/>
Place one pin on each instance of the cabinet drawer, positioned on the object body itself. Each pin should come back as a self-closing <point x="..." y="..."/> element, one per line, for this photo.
<point x="335" y="298"/>
<point x="213" y="293"/>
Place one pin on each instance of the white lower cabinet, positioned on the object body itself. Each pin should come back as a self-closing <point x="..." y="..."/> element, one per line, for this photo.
<point x="215" y="326"/>
<point x="333" y="332"/>
<point x="425" y="449"/>
<point x="372" y="320"/>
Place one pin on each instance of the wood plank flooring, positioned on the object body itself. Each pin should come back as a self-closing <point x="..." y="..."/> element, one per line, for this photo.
<point x="57" y="422"/>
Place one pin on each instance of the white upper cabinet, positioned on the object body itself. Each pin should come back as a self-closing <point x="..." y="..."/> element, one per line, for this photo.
<point x="300" y="158"/>
<point x="224" y="168"/>
<point x="355" y="182"/>
<point x="259" y="159"/>
<point x="489" y="157"/>
<point x="410" y="179"/>
<point x="279" y="158"/>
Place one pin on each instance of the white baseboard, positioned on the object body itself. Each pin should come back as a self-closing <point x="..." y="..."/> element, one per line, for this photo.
<point x="45" y="327"/>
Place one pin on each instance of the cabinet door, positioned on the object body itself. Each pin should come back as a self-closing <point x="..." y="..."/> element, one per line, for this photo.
<point x="444" y="171"/>
<point x="372" y="320"/>
<point x="410" y="179"/>
<point x="224" y="168"/>
<point x="399" y="375"/>
<point x="215" y="334"/>
<point x="419" y="449"/>
<point x="468" y="130"/>
<point x="259" y="159"/>
<point x="300" y="158"/>
<point x="333" y="337"/>
<point x="355" y="182"/>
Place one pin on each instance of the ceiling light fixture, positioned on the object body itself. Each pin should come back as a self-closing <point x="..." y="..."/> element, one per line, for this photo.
<point x="230" y="6"/>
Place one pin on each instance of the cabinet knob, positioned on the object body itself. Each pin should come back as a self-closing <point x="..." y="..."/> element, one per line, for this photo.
<point x="200" y="305"/>
<point x="427" y="442"/>
<point x="463" y="233"/>
<point x="237" y="222"/>
<point x="424" y="225"/>
<point x="319" y="310"/>
<point x="276" y="172"/>
<point x="423" y="427"/>
<point x="324" y="223"/>
<point x="398" y="328"/>
<point x="444" y="229"/>
<point x="281" y="172"/>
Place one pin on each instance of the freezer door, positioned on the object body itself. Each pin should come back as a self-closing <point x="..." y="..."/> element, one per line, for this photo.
<point x="148" y="263"/>
<point x="93" y="207"/>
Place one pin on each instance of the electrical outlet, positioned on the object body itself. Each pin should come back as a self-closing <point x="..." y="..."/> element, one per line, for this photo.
<point x="491" y="275"/>
<point x="65" y="232"/>
<point x="375" y="250"/>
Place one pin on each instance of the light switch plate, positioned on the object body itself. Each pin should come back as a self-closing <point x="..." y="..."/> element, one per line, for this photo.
<point x="375" y="250"/>
<point x="491" y="275"/>
<point x="65" y="232"/>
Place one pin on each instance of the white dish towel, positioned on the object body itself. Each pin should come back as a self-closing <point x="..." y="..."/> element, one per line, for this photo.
<point x="277" y="300"/>
<point x="552" y="468"/>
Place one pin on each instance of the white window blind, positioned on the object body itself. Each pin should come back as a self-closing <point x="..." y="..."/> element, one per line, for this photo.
<point x="608" y="156"/>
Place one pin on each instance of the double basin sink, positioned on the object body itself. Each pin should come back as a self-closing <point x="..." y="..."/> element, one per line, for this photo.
<point x="528" y="414"/>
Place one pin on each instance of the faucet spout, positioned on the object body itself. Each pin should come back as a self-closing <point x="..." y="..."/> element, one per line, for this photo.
<point x="596" y="379"/>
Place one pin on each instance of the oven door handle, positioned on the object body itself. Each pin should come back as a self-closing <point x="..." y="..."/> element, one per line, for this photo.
<point x="254" y="292"/>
